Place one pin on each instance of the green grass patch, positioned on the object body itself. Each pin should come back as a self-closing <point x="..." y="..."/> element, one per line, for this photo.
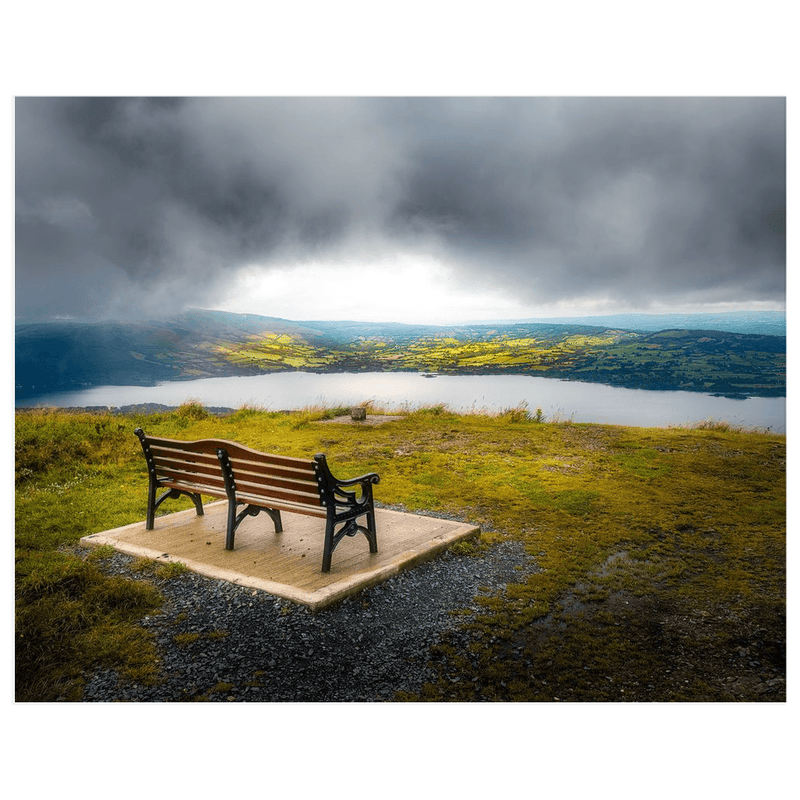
<point x="71" y="617"/>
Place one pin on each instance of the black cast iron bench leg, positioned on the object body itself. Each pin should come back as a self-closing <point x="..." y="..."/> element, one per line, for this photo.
<point x="153" y="504"/>
<point x="250" y="511"/>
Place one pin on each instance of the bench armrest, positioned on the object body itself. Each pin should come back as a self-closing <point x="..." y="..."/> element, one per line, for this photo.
<point x="336" y="487"/>
<point x="371" y="477"/>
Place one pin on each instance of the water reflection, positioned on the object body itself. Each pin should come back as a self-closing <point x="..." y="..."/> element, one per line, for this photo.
<point x="579" y="402"/>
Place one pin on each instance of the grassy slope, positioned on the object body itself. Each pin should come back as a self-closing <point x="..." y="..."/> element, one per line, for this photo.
<point x="651" y="543"/>
<point x="690" y="360"/>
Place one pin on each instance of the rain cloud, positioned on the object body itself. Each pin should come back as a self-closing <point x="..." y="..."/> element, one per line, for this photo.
<point x="130" y="207"/>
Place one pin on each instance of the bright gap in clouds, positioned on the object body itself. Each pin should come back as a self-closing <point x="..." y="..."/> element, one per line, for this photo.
<point x="405" y="289"/>
<point x="415" y="289"/>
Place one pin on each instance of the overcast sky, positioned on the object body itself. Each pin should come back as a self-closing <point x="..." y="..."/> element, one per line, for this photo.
<point x="412" y="210"/>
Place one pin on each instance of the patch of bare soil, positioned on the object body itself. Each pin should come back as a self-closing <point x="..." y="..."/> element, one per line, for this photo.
<point x="372" y="419"/>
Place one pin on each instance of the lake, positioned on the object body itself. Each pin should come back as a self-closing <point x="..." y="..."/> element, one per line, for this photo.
<point x="564" y="400"/>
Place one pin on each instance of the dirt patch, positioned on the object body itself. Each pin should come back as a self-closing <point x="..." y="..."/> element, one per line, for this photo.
<point x="372" y="419"/>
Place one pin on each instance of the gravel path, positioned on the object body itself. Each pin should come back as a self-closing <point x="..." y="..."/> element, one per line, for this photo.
<point x="364" y="649"/>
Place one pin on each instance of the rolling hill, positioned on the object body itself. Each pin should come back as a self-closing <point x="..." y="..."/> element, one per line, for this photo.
<point x="59" y="356"/>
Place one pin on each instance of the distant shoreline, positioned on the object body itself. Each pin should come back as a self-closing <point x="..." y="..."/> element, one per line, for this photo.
<point x="137" y="408"/>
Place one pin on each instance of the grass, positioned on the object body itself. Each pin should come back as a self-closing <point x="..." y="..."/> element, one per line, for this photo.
<point x="649" y="543"/>
<point x="71" y="617"/>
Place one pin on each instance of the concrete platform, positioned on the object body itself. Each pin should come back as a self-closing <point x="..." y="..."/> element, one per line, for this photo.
<point x="287" y="564"/>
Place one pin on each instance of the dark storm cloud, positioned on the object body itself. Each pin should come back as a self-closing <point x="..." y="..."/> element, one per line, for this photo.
<point x="129" y="202"/>
<point x="630" y="197"/>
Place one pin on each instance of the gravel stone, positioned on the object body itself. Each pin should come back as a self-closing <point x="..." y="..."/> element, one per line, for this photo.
<point x="255" y="647"/>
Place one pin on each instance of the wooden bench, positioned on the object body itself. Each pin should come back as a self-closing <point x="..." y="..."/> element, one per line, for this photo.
<point x="260" y="482"/>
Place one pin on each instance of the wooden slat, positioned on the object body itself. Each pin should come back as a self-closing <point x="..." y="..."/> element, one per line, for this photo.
<point x="197" y="488"/>
<point x="240" y="453"/>
<point x="203" y="449"/>
<point x="187" y="466"/>
<point x="259" y="490"/>
<point x="190" y="479"/>
<point x="281" y="504"/>
<point x="247" y="478"/>
<point x="270" y="471"/>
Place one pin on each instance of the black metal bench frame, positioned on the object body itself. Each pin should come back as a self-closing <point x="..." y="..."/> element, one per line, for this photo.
<point x="260" y="482"/>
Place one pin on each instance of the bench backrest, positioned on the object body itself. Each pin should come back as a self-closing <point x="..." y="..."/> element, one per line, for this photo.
<point x="265" y="475"/>
<point x="194" y="463"/>
<point x="257" y="475"/>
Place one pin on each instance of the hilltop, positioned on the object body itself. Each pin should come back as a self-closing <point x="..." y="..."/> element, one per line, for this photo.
<point x="652" y="566"/>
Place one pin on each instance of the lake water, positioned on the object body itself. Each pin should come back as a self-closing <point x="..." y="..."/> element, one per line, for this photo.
<point x="565" y="400"/>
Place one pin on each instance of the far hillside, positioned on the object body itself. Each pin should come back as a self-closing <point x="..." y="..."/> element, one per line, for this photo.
<point x="64" y="355"/>
<point x="762" y="323"/>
